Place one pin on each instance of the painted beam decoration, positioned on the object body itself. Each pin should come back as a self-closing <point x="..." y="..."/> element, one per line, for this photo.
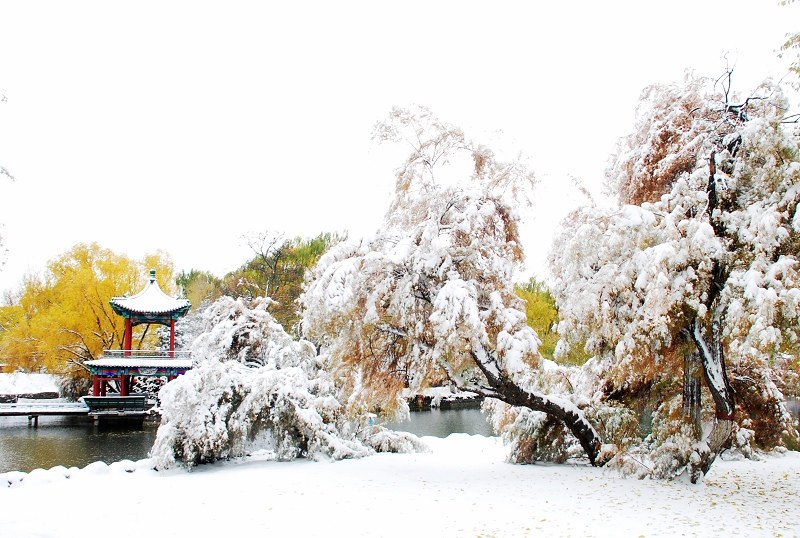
<point x="167" y="368"/>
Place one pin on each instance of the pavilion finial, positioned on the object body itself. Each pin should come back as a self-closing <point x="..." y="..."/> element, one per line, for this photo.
<point x="152" y="275"/>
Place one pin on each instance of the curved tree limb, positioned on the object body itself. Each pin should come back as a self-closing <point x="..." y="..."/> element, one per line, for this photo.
<point x="563" y="410"/>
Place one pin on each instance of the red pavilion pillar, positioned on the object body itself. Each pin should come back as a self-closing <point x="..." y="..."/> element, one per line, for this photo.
<point x="127" y="344"/>
<point x="171" y="338"/>
<point x="127" y="339"/>
<point x="95" y="385"/>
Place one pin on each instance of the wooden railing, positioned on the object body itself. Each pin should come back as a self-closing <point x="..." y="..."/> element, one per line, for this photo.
<point x="145" y="354"/>
<point x="133" y="403"/>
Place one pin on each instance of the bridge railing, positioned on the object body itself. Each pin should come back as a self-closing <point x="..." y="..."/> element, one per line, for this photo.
<point x="145" y="354"/>
<point x="28" y="406"/>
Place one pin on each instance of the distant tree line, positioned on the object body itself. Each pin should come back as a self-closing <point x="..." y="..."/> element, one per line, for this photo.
<point x="276" y="270"/>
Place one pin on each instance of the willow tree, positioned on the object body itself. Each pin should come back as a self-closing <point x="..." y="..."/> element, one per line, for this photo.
<point x="63" y="316"/>
<point x="689" y="291"/>
<point x="430" y="297"/>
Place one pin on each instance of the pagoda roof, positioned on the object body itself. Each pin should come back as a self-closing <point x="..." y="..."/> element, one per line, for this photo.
<point x="151" y="301"/>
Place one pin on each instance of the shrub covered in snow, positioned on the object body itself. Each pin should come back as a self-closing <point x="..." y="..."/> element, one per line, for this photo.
<point x="254" y="387"/>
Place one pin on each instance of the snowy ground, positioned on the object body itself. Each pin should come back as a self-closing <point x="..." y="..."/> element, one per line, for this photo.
<point x="461" y="488"/>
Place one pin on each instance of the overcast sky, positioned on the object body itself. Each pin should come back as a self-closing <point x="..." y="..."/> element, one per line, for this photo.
<point x="182" y="126"/>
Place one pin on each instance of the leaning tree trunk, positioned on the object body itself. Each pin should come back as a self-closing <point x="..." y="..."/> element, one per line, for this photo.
<point x="506" y="390"/>
<point x="503" y="388"/>
<point x="563" y="410"/>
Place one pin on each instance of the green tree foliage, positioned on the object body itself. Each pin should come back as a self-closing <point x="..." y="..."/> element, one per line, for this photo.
<point x="541" y="311"/>
<point x="542" y="314"/>
<point x="63" y="317"/>
<point x="200" y="287"/>
<point x="278" y="271"/>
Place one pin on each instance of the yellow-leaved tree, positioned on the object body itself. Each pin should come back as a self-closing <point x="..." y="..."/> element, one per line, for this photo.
<point x="541" y="312"/>
<point x="63" y="317"/>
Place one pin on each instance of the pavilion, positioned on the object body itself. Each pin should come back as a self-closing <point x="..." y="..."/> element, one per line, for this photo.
<point x="151" y="305"/>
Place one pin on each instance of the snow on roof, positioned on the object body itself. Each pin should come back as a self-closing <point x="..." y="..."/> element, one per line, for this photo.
<point x="151" y="300"/>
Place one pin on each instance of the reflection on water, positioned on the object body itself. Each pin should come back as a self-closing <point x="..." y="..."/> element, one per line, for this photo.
<point x="793" y="405"/>
<point x="443" y="422"/>
<point x="69" y="441"/>
<point x="77" y="441"/>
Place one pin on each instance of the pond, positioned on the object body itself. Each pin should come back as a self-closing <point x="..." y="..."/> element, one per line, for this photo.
<point x="77" y="441"/>
<point x="69" y="441"/>
<point x="443" y="422"/>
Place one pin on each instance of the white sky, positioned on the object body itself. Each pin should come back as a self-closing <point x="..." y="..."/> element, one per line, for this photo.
<point x="182" y="126"/>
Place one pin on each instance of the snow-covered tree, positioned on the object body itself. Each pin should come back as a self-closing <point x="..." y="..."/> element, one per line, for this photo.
<point x="256" y="388"/>
<point x="431" y="297"/>
<point x="693" y="281"/>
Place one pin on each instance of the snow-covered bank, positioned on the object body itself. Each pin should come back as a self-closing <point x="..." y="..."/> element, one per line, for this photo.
<point x="26" y="385"/>
<point x="440" y="397"/>
<point x="462" y="488"/>
<point x="23" y="383"/>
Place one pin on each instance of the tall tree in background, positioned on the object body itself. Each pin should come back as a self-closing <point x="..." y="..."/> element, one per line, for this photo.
<point x="199" y="287"/>
<point x="541" y="313"/>
<point x="694" y="280"/>
<point x="277" y="271"/>
<point x="64" y="318"/>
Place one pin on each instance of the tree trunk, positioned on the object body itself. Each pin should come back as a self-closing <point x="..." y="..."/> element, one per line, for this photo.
<point x="563" y="410"/>
<point x="713" y="360"/>
<point x="712" y="353"/>
<point x="692" y="390"/>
